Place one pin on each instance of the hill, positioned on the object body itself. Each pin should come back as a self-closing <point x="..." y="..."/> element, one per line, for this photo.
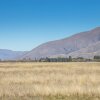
<point x="88" y="52"/>
<point x="10" y="55"/>
<point x="65" y="47"/>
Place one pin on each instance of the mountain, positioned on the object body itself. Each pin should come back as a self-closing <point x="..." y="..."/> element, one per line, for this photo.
<point x="84" y="44"/>
<point x="88" y="52"/>
<point x="9" y="54"/>
<point x="74" y="45"/>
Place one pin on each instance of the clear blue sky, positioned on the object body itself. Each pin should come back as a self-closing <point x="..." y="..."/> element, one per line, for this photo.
<point x="24" y="24"/>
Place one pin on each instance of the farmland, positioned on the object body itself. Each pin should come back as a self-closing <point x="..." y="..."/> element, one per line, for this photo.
<point x="49" y="81"/>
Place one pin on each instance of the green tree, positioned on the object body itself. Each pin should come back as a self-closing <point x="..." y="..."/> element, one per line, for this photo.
<point x="70" y="59"/>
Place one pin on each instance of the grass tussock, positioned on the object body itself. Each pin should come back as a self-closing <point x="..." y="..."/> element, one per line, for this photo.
<point x="50" y="81"/>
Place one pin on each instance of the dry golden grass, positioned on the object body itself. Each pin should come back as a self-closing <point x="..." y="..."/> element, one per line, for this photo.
<point x="50" y="81"/>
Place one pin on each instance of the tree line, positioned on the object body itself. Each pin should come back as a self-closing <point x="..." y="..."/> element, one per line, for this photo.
<point x="59" y="59"/>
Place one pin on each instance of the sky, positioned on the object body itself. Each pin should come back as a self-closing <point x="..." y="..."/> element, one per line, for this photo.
<point x="25" y="24"/>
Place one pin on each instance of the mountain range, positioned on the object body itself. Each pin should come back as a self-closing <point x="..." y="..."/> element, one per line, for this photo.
<point x="84" y="44"/>
<point x="10" y="55"/>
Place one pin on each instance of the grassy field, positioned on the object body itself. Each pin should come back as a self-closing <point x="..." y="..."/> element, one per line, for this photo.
<point x="50" y="81"/>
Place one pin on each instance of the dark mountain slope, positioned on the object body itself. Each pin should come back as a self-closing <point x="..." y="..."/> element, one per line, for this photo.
<point x="65" y="46"/>
<point x="88" y="52"/>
